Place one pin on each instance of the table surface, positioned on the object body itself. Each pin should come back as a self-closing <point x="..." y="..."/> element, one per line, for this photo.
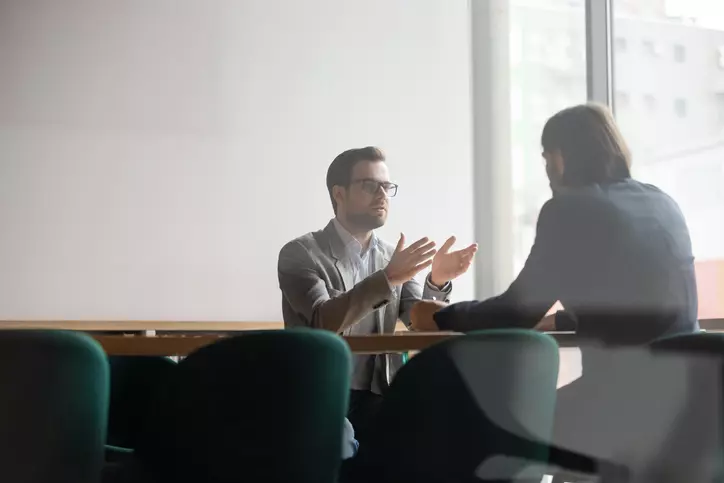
<point x="190" y="326"/>
<point x="183" y="344"/>
<point x="183" y="338"/>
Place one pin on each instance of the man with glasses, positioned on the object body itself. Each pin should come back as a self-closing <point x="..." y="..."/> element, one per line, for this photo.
<point x="345" y="279"/>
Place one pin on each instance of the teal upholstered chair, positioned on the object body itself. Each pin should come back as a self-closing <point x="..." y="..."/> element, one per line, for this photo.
<point x="266" y="406"/>
<point x="478" y="407"/>
<point x="53" y="407"/>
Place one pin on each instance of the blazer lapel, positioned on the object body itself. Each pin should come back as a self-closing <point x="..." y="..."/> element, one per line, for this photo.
<point x="336" y="249"/>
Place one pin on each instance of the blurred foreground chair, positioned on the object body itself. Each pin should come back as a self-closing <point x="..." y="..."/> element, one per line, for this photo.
<point x="266" y="406"/>
<point x="474" y="408"/>
<point x="655" y="417"/>
<point x="694" y="447"/>
<point x="54" y="407"/>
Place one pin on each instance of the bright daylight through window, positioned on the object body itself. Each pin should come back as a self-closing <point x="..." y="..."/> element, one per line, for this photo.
<point x="668" y="82"/>
<point x="679" y="147"/>
<point x="548" y="73"/>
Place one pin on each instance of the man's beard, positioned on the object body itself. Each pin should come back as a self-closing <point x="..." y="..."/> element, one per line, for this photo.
<point x="365" y="221"/>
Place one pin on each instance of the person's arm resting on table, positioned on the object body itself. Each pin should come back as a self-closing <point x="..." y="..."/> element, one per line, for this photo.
<point x="526" y="301"/>
<point x="413" y="292"/>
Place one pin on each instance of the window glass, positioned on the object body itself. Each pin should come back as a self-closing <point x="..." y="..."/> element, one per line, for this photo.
<point x="681" y="148"/>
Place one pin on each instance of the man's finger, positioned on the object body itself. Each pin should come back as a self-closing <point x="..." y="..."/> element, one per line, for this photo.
<point x="419" y="268"/>
<point x="467" y="252"/>
<point x="448" y="244"/>
<point x="419" y="243"/>
<point x="401" y="243"/>
<point x="427" y="246"/>
<point x="420" y="255"/>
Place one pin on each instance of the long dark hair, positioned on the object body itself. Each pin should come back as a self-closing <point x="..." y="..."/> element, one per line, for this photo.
<point x="591" y="144"/>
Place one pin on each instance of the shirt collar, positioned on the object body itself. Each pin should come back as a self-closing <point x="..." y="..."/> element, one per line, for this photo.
<point x="351" y="244"/>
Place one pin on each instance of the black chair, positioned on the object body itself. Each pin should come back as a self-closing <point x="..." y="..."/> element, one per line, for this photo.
<point x="54" y="407"/>
<point x="474" y="408"/>
<point x="266" y="406"/>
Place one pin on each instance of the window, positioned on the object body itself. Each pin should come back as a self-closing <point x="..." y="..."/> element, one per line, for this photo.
<point x="516" y="104"/>
<point x="651" y="48"/>
<point x="621" y="45"/>
<point x="650" y="102"/>
<point x="516" y="46"/>
<point x="681" y="147"/>
<point x="680" y="107"/>
<point x="534" y="45"/>
<point x="719" y="96"/>
<point x="622" y="100"/>
<point x="679" y="53"/>
<point x="551" y="77"/>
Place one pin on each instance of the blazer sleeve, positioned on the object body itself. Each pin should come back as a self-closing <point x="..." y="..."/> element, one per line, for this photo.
<point x="530" y="296"/>
<point x="307" y="293"/>
<point x="412" y="292"/>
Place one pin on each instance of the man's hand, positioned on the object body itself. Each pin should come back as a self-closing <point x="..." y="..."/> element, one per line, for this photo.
<point x="408" y="262"/>
<point x="421" y="315"/>
<point x="449" y="265"/>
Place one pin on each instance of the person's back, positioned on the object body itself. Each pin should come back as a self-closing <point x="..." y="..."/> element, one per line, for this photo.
<point x="615" y="252"/>
<point x="628" y="276"/>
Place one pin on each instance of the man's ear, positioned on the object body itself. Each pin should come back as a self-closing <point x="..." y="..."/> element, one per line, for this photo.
<point x="558" y="163"/>
<point x="339" y="194"/>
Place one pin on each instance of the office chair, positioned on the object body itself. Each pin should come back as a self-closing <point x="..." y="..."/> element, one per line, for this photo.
<point x="473" y="408"/>
<point x="54" y="407"/>
<point x="265" y="406"/>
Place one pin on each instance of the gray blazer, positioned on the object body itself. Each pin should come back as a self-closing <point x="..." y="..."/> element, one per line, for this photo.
<point x="316" y="280"/>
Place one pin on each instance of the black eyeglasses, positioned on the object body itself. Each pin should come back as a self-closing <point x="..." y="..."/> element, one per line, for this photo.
<point x="371" y="186"/>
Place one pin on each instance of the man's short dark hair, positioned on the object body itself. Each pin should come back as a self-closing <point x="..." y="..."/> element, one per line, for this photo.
<point x="340" y="171"/>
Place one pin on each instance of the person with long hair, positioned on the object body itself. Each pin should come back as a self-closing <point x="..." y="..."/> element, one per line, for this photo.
<point x="615" y="252"/>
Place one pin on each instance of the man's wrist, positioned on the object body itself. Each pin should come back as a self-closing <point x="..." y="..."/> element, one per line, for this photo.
<point x="390" y="285"/>
<point x="437" y="286"/>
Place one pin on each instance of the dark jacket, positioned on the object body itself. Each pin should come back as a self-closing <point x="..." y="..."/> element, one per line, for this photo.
<point x="617" y="256"/>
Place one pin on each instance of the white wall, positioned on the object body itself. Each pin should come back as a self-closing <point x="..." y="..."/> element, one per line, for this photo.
<point x="155" y="155"/>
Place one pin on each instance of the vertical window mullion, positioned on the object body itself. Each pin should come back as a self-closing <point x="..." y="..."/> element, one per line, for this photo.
<point x="599" y="62"/>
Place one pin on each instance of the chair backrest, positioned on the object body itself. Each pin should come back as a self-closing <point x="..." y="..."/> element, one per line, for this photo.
<point x="53" y="407"/>
<point x="473" y="408"/>
<point x="135" y="382"/>
<point x="693" y="448"/>
<point x="266" y="407"/>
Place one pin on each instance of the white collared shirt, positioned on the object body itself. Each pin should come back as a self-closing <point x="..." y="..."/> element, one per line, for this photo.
<point x="363" y="261"/>
<point x="366" y="376"/>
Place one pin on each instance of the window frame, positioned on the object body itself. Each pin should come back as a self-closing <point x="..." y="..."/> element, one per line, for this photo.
<point x="599" y="51"/>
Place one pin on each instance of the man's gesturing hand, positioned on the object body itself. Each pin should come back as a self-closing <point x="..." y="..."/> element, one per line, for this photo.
<point x="408" y="262"/>
<point x="449" y="265"/>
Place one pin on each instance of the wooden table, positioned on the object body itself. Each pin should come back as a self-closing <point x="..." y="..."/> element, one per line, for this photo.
<point x="183" y="344"/>
<point x="183" y="338"/>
